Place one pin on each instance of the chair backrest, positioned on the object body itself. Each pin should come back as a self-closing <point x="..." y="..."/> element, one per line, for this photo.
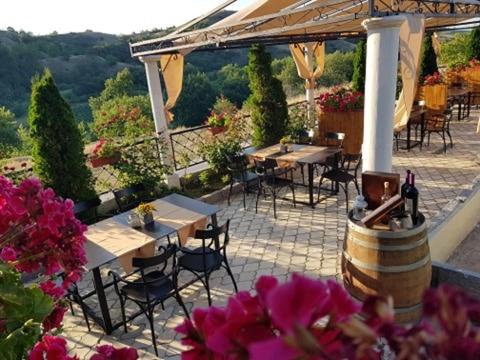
<point x="128" y="197"/>
<point x="86" y="211"/>
<point x="237" y="163"/>
<point x="334" y="139"/>
<point x="351" y="162"/>
<point x="211" y="234"/>
<point x="160" y="261"/>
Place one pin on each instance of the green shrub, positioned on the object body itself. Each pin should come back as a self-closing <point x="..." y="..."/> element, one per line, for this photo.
<point x="428" y="65"/>
<point x="473" y="50"/>
<point x="359" y="66"/>
<point x="58" y="158"/>
<point x="453" y="52"/>
<point x="206" y="178"/>
<point x="218" y="150"/>
<point x="267" y="102"/>
<point x="338" y="69"/>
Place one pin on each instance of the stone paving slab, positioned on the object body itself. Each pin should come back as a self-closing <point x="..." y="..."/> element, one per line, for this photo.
<point x="302" y="240"/>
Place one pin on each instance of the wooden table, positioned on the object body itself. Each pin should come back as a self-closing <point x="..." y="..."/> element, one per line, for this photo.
<point x="300" y="155"/>
<point x="113" y="238"/>
<point x="459" y="95"/>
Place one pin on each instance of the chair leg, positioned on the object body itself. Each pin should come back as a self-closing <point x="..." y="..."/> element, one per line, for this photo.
<point x="152" y="329"/>
<point x="182" y="304"/>
<point x="428" y="139"/>
<point x="229" y="271"/>
<point x="346" y="195"/>
<point x="259" y="193"/>
<point x="124" y="317"/>
<point x="319" y="186"/>
<point x="207" y="287"/>
<point x="71" y="306"/>
<point x="450" y="137"/>
<point x="356" y="186"/>
<point x="244" y="190"/>
<point x="293" y="195"/>
<point x="230" y="192"/>
<point x="444" y="142"/>
<point x="274" y="196"/>
<point x="303" y="174"/>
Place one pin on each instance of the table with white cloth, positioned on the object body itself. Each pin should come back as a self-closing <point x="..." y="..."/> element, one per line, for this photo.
<point x="114" y="239"/>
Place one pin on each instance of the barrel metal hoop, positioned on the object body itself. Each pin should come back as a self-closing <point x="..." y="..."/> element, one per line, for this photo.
<point x="387" y="234"/>
<point x="387" y="269"/>
<point x="409" y="309"/>
<point x="382" y="247"/>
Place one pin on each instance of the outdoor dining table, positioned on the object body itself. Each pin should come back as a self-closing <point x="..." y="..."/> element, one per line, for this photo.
<point x="417" y="116"/>
<point x="113" y="239"/>
<point x="299" y="154"/>
<point x="459" y="95"/>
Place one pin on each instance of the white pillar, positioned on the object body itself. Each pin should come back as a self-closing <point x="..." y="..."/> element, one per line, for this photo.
<point x="310" y="93"/>
<point x="383" y="36"/>
<point x="158" y="110"/>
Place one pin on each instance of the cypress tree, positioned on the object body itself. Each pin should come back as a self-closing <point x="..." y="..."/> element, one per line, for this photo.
<point x="57" y="149"/>
<point x="359" y="66"/>
<point x="428" y="65"/>
<point x="268" y="101"/>
<point x="473" y="50"/>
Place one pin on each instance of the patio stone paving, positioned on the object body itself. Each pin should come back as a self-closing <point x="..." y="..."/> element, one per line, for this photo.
<point x="302" y="240"/>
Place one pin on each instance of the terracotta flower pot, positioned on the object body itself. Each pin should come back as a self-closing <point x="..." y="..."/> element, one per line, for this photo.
<point x="99" y="161"/>
<point x="215" y="130"/>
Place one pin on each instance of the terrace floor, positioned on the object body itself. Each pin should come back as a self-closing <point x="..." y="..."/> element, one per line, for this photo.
<point x="302" y="240"/>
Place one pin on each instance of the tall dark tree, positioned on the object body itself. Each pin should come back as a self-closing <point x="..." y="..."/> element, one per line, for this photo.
<point x="359" y="66"/>
<point x="267" y="101"/>
<point x="57" y="147"/>
<point x="473" y="50"/>
<point x="429" y="64"/>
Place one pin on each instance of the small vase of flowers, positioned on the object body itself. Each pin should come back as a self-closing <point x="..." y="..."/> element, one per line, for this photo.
<point x="218" y="122"/>
<point x="104" y="153"/>
<point x="284" y="143"/>
<point x="146" y="212"/>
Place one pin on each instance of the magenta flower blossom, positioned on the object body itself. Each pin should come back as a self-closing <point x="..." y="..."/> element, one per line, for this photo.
<point x="8" y="254"/>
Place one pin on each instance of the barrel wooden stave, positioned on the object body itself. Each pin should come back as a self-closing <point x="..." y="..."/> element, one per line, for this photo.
<point x="377" y="262"/>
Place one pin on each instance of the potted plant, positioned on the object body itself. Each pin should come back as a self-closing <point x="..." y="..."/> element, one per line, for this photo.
<point x="104" y="153"/>
<point x="433" y="91"/>
<point x="146" y="212"/>
<point x="285" y="142"/>
<point x="218" y="122"/>
<point x="341" y="110"/>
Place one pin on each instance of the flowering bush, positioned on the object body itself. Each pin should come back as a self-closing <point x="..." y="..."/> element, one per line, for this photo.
<point x="39" y="235"/>
<point x="434" y="79"/>
<point x="340" y="99"/>
<point x="474" y="63"/>
<point x="311" y="319"/>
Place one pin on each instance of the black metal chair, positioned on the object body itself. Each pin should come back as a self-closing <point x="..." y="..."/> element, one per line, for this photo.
<point x="209" y="257"/>
<point x="331" y="139"/>
<point x="87" y="211"/>
<point x="272" y="179"/>
<point x="239" y="174"/>
<point x="439" y="123"/>
<point x="130" y="197"/>
<point x="344" y="175"/>
<point x="152" y="288"/>
<point x="73" y="295"/>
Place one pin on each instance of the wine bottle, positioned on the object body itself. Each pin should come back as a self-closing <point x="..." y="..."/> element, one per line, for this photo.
<point x="386" y="192"/>
<point x="411" y="199"/>
<point x="404" y="187"/>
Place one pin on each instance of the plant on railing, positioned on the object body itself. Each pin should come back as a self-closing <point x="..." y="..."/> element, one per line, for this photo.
<point x="434" y="79"/>
<point x="310" y="319"/>
<point x="218" y="150"/>
<point x="40" y="236"/>
<point x="222" y="116"/>
<point x="298" y="123"/>
<point x="340" y="99"/>
<point x="104" y="153"/>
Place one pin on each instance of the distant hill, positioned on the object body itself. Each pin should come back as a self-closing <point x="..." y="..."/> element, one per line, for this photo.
<point x="81" y="62"/>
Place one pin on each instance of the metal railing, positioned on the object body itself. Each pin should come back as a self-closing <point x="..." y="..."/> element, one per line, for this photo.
<point x="186" y="143"/>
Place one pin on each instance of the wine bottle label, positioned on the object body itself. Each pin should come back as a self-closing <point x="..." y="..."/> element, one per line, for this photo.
<point x="409" y="205"/>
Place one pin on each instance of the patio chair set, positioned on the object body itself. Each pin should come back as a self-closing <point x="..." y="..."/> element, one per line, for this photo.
<point x="151" y="280"/>
<point x="273" y="170"/>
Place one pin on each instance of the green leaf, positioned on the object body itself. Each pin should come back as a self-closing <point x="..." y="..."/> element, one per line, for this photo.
<point x="16" y="345"/>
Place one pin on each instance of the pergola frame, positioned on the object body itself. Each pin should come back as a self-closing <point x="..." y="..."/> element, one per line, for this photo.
<point x="439" y="14"/>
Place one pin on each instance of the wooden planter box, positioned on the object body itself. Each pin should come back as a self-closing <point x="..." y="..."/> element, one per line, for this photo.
<point x="350" y="123"/>
<point x="104" y="160"/>
<point x="473" y="81"/>
<point x="435" y="96"/>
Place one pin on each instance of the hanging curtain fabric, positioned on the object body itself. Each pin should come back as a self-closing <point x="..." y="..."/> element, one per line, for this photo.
<point x="436" y="44"/>
<point x="171" y="66"/>
<point x="411" y="35"/>
<point x="303" y="69"/>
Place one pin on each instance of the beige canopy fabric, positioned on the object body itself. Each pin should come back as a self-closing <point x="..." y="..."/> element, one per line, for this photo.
<point x="437" y="46"/>
<point x="298" y="54"/>
<point x="411" y="35"/>
<point x="172" y="71"/>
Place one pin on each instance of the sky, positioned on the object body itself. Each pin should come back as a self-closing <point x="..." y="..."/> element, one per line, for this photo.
<point x="110" y="16"/>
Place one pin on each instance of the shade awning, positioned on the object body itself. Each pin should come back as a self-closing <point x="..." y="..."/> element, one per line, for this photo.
<point x="295" y="21"/>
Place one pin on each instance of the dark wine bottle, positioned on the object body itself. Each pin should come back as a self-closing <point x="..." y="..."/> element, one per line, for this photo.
<point x="411" y="199"/>
<point x="404" y="187"/>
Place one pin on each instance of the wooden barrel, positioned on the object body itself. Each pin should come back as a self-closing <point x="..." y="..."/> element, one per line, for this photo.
<point x="381" y="262"/>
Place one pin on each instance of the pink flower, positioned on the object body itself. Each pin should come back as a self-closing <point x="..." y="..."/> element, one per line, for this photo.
<point x="51" y="289"/>
<point x="8" y="254"/>
<point x="54" y="319"/>
<point x="50" y="348"/>
<point x="108" y="352"/>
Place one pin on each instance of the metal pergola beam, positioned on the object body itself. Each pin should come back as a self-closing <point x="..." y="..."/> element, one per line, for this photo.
<point x="245" y="32"/>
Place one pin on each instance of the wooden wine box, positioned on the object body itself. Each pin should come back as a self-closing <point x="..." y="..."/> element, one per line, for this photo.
<point x="372" y="186"/>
